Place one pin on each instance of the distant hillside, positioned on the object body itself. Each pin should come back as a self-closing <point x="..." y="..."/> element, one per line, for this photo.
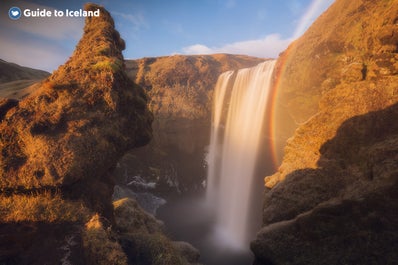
<point x="16" y="81"/>
<point x="14" y="72"/>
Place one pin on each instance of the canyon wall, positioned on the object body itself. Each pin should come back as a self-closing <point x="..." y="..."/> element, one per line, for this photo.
<point x="333" y="199"/>
<point x="180" y="89"/>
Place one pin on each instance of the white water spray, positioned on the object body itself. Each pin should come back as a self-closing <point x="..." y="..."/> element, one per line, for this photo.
<point x="234" y="145"/>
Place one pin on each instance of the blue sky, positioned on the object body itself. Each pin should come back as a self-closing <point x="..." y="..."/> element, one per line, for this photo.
<point x="261" y="28"/>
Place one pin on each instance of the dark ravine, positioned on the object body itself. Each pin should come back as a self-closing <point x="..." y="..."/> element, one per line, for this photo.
<point x="334" y="197"/>
<point x="59" y="148"/>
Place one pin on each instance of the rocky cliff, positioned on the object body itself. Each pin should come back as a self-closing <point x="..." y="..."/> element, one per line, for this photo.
<point x="351" y="42"/>
<point x="180" y="86"/>
<point x="180" y="89"/>
<point x="334" y="197"/>
<point x="59" y="148"/>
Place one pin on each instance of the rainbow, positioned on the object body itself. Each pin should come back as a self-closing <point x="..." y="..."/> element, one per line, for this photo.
<point x="279" y="72"/>
<point x="313" y="11"/>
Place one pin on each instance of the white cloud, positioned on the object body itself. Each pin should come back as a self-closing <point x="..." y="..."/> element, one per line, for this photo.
<point x="271" y="45"/>
<point x="197" y="49"/>
<point x="268" y="47"/>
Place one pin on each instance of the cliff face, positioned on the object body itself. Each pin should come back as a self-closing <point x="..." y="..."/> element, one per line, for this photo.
<point x="180" y="89"/>
<point x="333" y="199"/>
<point x="351" y="42"/>
<point x="59" y="147"/>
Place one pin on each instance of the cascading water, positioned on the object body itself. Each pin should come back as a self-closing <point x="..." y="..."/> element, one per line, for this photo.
<point x="234" y="144"/>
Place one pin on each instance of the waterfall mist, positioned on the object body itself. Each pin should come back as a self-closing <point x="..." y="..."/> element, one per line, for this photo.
<point x="238" y="114"/>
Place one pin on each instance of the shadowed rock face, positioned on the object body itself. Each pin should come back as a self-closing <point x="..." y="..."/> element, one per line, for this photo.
<point x="343" y="211"/>
<point x="334" y="197"/>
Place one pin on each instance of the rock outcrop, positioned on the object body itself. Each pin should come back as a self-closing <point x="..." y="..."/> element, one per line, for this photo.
<point x="351" y="42"/>
<point x="59" y="148"/>
<point x="81" y="119"/>
<point x="181" y="91"/>
<point x="142" y="238"/>
<point x="334" y="197"/>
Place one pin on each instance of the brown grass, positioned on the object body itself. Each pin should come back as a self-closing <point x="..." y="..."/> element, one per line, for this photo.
<point x="45" y="207"/>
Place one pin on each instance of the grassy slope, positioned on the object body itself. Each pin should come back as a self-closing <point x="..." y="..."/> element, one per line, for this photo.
<point x="13" y="72"/>
<point x="18" y="81"/>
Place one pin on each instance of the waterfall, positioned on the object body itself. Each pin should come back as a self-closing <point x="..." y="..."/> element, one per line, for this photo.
<point x="237" y="120"/>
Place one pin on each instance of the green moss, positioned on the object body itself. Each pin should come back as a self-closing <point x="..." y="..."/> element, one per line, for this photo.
<point x="109" y="65"/>
<point x="46" y="207"/>
<point x="104" y="51"/>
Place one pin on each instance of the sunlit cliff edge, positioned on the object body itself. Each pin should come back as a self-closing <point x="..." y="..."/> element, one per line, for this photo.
<point x="59" y="147"/>
<point x="181" y="86"/>
<point x="334" y="198"/>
